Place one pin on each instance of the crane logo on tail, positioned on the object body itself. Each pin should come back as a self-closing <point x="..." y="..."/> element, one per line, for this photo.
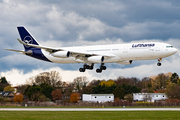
<point x="28" y="40"/>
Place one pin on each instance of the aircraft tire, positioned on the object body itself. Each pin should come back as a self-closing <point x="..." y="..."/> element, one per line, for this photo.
<point x="103" y="67"/>
<point x="82" y="69"/>
<point x="98" y="70"/>
<point x="91" y="67"/>
<point x="158" y="64"/>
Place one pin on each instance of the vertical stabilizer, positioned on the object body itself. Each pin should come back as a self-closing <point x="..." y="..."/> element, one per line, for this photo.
<point x="26" y="37"/>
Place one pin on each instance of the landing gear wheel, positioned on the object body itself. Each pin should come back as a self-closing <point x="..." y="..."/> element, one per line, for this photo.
<point x="82" y="69"/>
<point x="91" y="67"/>
<point x="86" y="66"/>
<point x="158" y="64"/>
<point x="98" y="70"/>
<point x="103" y="67"/>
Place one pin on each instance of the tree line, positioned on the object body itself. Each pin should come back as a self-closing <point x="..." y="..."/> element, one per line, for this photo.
<point x="48" y="86"/>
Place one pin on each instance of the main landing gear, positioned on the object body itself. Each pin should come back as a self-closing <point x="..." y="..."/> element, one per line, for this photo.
<point x="102" y="67"/>
<point x="159" y="62"/>
<point x="85" y="66"/>
<point x="90" y="67"/>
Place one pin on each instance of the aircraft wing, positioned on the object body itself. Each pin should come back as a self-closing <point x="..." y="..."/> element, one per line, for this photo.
<point x="73" y="53"/>
<point x="87" y="54"/>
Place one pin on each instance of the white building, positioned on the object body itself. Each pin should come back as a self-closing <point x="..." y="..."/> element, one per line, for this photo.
<point x="150" y="97"/>
<point x="98" y="97"/>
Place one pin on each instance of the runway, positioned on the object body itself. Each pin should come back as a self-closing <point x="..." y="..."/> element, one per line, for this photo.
<point x="89" y="109"/>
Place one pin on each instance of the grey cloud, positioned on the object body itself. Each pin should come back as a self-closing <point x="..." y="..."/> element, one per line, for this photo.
<point x="91" y="22"/>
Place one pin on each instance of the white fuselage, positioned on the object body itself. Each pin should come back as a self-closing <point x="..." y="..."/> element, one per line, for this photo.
<point x="121" y="52"/>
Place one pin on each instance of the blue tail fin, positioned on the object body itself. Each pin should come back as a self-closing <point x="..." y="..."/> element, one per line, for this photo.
<point x="26" y="37"/>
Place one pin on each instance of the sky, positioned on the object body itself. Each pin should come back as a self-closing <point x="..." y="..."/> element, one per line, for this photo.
<point x="65" y="23"/>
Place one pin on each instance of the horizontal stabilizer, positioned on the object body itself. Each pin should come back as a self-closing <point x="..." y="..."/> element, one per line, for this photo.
<point x="49" y="49"/>
<point x="17" y="51"/>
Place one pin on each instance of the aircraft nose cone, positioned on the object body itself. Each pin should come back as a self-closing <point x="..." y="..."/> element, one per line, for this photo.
<point x="174" y="50"/>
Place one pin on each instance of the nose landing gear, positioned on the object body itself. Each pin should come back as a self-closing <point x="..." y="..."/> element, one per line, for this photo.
<point x="159" y="62"/>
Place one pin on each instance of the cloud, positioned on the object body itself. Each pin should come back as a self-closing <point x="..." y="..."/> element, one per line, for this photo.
<point x="17" y="77"/>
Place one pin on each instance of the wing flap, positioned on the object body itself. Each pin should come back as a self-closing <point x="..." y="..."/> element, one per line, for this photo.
<point x="90" y="54"/>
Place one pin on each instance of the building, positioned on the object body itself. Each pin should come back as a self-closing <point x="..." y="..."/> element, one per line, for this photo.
<point x="98" y="98"/>
<point x="149" y="97"/>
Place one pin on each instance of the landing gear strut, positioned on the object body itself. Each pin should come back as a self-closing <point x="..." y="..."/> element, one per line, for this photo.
<point x="159" y="62"/>
<point x="102" y="67"/>
<point x="85" y="66"/>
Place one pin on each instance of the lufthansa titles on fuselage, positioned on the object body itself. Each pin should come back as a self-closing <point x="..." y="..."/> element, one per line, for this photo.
<point x="143" y="45"/>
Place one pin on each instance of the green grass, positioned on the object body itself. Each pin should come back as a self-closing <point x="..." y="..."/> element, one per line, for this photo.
<point x="125" y="115"/>
<point x="89" y="107"/>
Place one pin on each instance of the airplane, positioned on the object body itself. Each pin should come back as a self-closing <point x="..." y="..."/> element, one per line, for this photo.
<point x="95" y="54"/>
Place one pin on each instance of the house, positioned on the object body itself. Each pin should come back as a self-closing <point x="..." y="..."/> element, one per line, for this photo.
<point x="149" y="97"/>
<point x="98" y="98"/>
<point x="7" y="94"/>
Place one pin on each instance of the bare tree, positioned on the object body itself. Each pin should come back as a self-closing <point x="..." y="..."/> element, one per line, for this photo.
<point x="135" y="80"/>
<point x="173" y="91"/>
<point x="146" y="81"/>
<point x="22" y="88"/>
<point x="162" y="79"/>
<point x="80" y="82"/>
<point x="69" y="87"/>
<point x="55" y="79"/>
<point x="121" y="80"/>
<point x="52" y="78"/>
<point x="94" y="83"/>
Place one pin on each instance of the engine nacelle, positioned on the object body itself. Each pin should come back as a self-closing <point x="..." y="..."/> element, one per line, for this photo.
<point x="125" y="62"/>
<point x="96" y="59"/>
<point x="61" y="54"/>
<point x="29" y="52"/>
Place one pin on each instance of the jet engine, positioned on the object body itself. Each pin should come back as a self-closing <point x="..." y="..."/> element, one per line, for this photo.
<point x="61" y="54"/>
<point x="29" y="52"/>
<point x="96" y="59"/>
<point x="127" y="62"/>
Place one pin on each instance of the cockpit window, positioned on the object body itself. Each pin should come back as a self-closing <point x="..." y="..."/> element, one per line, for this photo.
<point x="169" y="46"/>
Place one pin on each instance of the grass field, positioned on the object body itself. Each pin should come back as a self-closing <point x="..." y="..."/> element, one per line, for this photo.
<point x="139" y="115"/>
<point x="89" y="107"/>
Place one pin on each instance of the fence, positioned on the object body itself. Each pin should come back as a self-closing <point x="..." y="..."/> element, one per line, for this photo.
<point x="88" y="104"/>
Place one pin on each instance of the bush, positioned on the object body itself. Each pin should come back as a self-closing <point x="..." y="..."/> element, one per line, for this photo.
<point x="74" y="98"/>
<point x="18" y="97"/>
<point x="56" y="94"/>
<point x="42" y="98"/>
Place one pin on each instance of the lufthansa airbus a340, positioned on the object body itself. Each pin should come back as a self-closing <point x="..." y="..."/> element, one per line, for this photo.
<point x="90" y="55"/>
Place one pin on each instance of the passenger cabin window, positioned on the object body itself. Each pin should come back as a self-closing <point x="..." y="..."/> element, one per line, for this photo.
<point x="169" y="46"/>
